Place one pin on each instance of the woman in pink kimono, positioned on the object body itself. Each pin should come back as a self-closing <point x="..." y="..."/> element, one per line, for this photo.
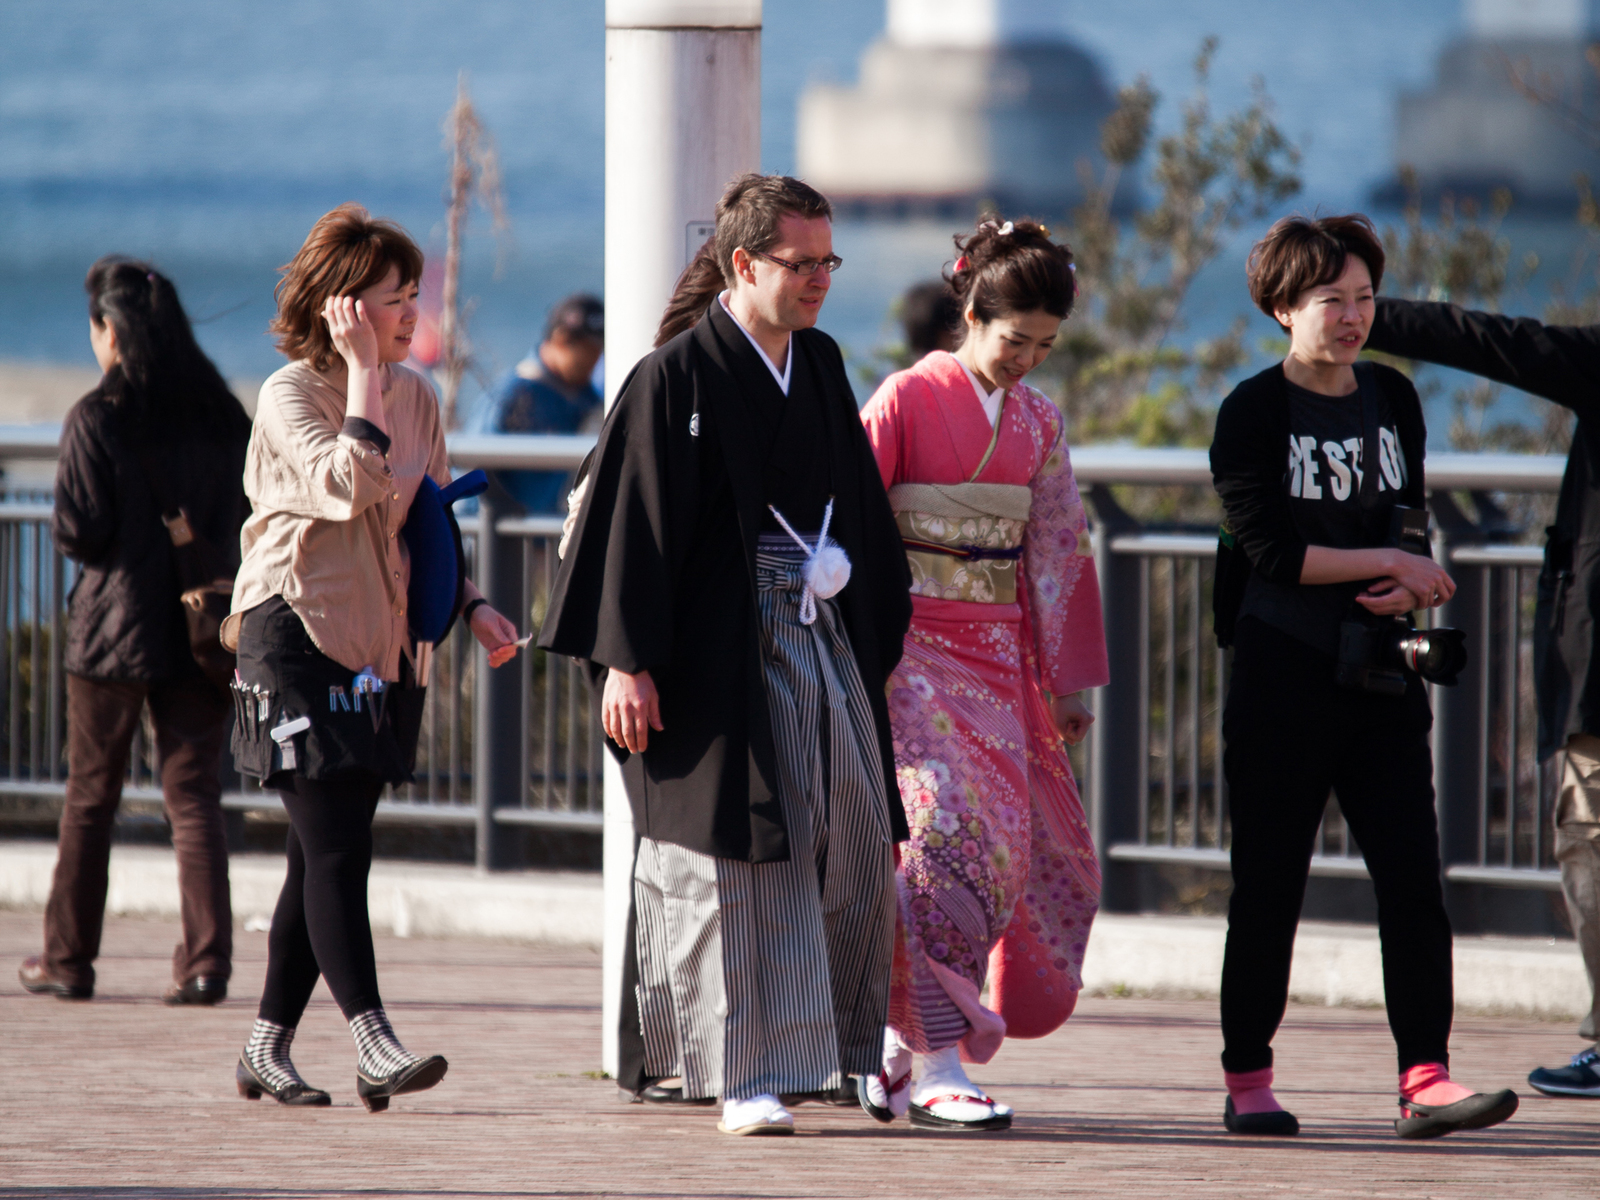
<point x="999" y="882"/>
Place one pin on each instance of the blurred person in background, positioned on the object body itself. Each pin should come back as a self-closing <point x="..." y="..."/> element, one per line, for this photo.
<point x="160" y="431"/>
<point x="930" y="314"/>
<point x="1562" y="364"/>
<point x="550" y="391"/>
<point x="331" y="682"/>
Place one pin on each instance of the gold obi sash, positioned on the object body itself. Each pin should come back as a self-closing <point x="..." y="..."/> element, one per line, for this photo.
<point x="962" y="539"/>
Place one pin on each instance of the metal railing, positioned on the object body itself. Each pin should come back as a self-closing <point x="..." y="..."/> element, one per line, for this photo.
<point x="519" y="746"/>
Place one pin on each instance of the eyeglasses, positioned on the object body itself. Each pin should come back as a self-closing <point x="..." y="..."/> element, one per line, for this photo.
<point x="806" y="266"/>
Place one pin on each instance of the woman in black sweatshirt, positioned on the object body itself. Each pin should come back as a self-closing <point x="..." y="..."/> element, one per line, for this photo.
<point x="1312" y="459"/>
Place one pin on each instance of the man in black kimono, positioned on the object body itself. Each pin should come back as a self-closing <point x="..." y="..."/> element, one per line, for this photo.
<point x="1560" y="363"/>
<point x="746" y="705"/>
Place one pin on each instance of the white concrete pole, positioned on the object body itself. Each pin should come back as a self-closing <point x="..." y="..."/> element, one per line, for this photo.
<point x="683" y="116"/>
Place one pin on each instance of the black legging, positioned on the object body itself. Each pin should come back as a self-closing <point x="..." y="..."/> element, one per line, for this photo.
<point x="1292" y="734"/>
<point x="320" y="926"/>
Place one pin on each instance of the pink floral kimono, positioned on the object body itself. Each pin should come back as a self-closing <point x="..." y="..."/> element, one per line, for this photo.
<point x="999" y="879"/>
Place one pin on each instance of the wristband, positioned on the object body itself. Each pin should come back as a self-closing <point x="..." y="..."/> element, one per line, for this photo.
<point x="466" y="613"/>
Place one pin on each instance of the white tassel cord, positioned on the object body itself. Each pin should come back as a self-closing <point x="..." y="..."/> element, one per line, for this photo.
<point x="827" y="567"/>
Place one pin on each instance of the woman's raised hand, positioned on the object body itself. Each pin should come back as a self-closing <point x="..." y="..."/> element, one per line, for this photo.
<point x="352" y="333"/>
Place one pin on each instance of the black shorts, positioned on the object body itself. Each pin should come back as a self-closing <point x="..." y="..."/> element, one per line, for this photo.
<point x="346" y="738"/>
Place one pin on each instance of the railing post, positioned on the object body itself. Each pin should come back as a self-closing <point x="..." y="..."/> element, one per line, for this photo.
<point x="1458" y="711"/>
<point x="1114" y="772"/>
<point x="497" y="695"/>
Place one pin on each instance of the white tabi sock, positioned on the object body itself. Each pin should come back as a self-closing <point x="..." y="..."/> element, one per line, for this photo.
<point x="897" y="1069"/>
<point x="764" y="1109"/>
<point x="942" y="1075"/>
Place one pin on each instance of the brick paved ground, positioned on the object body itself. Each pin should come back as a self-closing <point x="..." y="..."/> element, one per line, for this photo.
<point x="125" y="1098"/>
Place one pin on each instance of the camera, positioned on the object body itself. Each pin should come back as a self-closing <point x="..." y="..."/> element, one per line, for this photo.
<point x="1376" y="653"/>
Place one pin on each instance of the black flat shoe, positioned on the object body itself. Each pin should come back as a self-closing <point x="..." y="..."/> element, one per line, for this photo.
<point x="656" y="1094"/>
<point x="415" y="1077"/>
<point x="202" y="989"/>
<point x="1265" y="1124"/>
<point x="40" y="982"/>
<point x="299" y="1095"/>
<point x="1478" y="1111"/>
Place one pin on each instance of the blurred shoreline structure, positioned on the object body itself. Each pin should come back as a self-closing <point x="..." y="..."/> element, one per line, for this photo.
<point x="1472" y="131"/>
<point x="960" y="102"/>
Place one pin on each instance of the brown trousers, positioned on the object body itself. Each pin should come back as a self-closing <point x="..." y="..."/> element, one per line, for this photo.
<point x="190" y="718"/>
<point x="1578" y="851"/>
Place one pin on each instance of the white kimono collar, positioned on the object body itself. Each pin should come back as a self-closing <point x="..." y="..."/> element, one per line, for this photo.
<point x="782" y="376"/>
<point x="991" y="401"/>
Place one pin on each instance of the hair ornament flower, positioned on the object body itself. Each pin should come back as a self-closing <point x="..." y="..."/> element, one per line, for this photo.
<point x="1007" y="229"/>
<point x="961" y="264"/>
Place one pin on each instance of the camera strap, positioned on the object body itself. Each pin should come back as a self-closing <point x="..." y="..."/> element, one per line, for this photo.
<point x="1371" y="444"/>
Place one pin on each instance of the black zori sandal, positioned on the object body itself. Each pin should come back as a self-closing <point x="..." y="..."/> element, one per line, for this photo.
<point x="923" y="1116"/>
<point x="414" y="1077"/>
<point x="253" y="1087"/>
<point x="654" y="1093"/>
<point x="1478" y="1111"/>
<point x="1262" y="1124"/>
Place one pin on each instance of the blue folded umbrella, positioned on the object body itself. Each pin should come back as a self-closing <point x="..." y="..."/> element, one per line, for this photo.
<point x="438" y="564"/>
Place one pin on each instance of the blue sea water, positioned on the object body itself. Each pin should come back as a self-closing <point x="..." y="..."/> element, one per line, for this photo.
<point x="209" y="136"/>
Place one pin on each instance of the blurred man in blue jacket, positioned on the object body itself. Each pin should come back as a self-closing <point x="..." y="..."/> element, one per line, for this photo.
<point x="550" y="391"/>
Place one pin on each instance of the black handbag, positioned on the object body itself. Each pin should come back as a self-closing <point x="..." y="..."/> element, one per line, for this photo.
<point x="1228" y="585"/>
<point x="205" y="590"/>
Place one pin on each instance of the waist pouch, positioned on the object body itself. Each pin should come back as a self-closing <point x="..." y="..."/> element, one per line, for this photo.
<point x="284" y="677"/>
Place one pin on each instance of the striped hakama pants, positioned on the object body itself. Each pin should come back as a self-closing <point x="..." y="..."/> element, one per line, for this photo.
<point x="774" y="977"/>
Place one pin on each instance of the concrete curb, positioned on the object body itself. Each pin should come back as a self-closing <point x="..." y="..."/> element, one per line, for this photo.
<point x="407" y="899"/>
<point x="1334" y="964"/>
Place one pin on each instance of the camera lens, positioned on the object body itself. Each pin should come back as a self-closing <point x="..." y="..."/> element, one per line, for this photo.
<point x="1438" y="655"/>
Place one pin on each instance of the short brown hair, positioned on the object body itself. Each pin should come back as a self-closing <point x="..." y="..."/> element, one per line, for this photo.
<point x="751" y="207"/>
<point x="347" y="251"/>
<point x="1306" y="252"/>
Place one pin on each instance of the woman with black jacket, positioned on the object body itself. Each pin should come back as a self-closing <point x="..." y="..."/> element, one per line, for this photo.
<point x="1312" y="458"/>
<point x="160" y="431"/>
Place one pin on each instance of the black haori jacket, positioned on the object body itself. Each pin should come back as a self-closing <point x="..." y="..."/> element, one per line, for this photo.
<point x="660" y="576"/>
<point x="1560" y="363"/>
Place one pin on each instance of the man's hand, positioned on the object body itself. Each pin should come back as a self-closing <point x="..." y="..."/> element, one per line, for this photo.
<point x="629" y="709"/>
<point x="1071" y="717"/>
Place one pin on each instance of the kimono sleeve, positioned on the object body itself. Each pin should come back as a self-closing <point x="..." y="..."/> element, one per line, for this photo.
<point x="881" y="418"/>
<point x="612" y="604"/>
<point x="1062" y="586"/>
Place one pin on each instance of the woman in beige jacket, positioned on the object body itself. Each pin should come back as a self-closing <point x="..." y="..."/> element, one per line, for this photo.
<point x="330" y="697"/>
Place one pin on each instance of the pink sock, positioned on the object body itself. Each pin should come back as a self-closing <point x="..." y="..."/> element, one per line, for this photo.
<point x="1429" y="1083"/>
<point x="1252" y="1091"/>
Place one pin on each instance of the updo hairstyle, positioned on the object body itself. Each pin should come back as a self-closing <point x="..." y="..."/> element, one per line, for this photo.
<point x="1011" y="267"/>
